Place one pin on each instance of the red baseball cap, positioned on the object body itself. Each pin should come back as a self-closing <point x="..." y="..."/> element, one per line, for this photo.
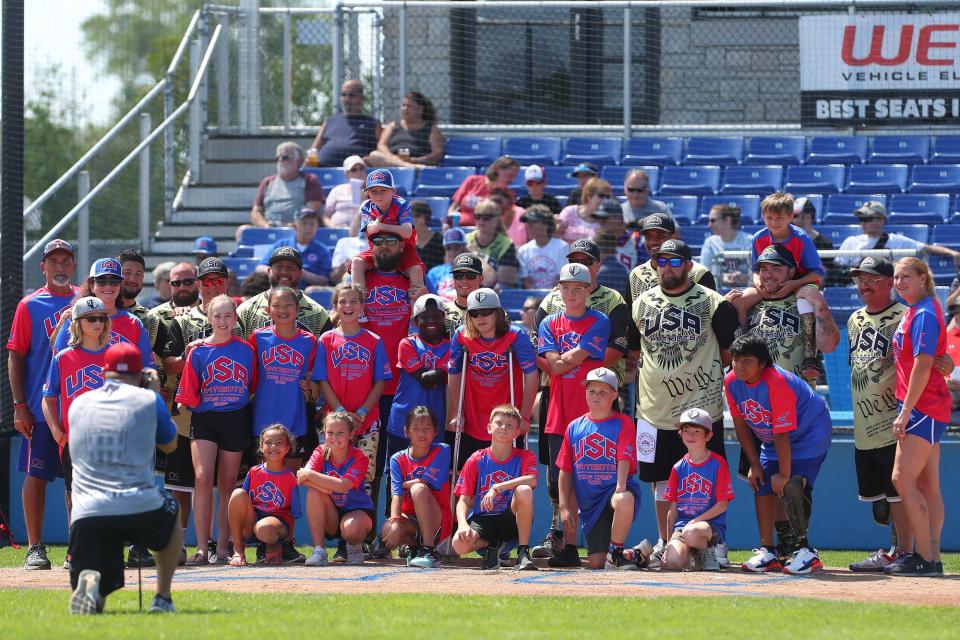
<point x="123" y="357"/>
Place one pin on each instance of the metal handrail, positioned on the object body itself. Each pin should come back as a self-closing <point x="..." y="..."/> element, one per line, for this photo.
<point x="191" y="96"/>
<point x="641" y="4"/>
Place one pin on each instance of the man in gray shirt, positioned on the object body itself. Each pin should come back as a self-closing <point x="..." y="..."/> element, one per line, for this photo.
<point x="639" y="204"/>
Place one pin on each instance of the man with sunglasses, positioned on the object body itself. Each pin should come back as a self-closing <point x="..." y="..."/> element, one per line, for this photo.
<point x="872" y="217"/>
<point x="439" y="279"/>
<point x="639" y="204"/>
<point x="467" y="277"/>
<point x="349" y="132"/>
<point x="679" y="336"/>
<point x="657" y="228"/>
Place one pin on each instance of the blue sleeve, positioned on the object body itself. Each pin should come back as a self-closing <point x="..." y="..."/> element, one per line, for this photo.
<point x="594" y="341"/>
<point x="440" y="469"/>
<point x="754" y="254"/>
<point x="63" y="338"/>
<point x="246" y="482"/>
<point x="547" y="341"/>
<point x="365" y="216"/>
<point x="320" y="364"/>
<point x="432" y="281"/>
<point x="166" y="430"/>
<point x="404" y="212"/>
<point x="295" y="509"/>
<point x="146" y="352"/>
<point x="381" y="366"/>
<point x="924" y="334"/>
<point x="456" y="354"/>
<point x="396" y="478"/>
<point x="809" y="258"/>
<point x="523" y="351"/>
<point x="52" y="387"/>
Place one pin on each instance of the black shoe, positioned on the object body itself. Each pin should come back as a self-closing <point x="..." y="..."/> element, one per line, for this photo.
<point x="489" y="557"/>
<point x="569" y="557"/>
<point x="290" y="555"/>
<point x="261" y="553"/>
<point x="378" y="550"/>
<point x="938" y="567"/>
<point x="139" y="557"/>
<point x="340" y="555"/>
<point x="913" y="565"/>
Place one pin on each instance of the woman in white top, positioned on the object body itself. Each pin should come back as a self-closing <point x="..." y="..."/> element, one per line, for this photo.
<point x="724" y="222"/>
<point x="343" y="201"/>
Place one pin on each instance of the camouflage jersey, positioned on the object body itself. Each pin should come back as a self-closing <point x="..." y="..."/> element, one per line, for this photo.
<point x="311" y="316"/>
<point x="778" y="323"/>
<point x="644" y="276"/>
<point x="157" y="323"/>
<point x="873" y="377"/>
<point x="453" y="317"/>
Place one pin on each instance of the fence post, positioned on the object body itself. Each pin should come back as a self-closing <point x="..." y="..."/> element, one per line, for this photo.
<point x="168" y="165"/>
<point x="287" y="71"/>
<point x="194" y="126"/>
<point x="83" y="224"/>
<point x="337" y="56"/>
<point x="402" y="49"/>
<point x="377" y="55"/>
<point x="145" y="127"/>
<point x="223" y="76"/>
<point x="627" y="60"/>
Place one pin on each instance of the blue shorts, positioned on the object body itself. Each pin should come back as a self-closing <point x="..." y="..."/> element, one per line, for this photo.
<point x="808" y="468"/>
<point x="40" y="455"/>
<point x="923" y="426"/>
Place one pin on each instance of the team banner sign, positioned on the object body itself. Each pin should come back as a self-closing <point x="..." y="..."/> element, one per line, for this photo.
<point x="880" y="69"/>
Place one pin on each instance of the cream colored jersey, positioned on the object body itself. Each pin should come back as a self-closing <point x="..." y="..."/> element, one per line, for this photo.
<point x="453" y="318"/>
<point x="778" y="323"/>
<point x="873" y="376"/>
<point x="644" y="277"/>
<point x="311" y="316"/>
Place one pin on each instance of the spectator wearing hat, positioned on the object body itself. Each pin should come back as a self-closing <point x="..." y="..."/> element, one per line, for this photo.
<point x="612" y="274"/>
<point x="576" y="221"/>
<point x="542" y="257"/>
<point x="350" y="133"/>
<point x="282" y="194"/>
<point x="804" y="215"/>
<point x="467" y="278"/>
<point x="440" y="280"/>
<point x="475" y="189"/>
<point x="639" y="204"/>
<point x="627" y="243"/>
<point x="583" y="172"/>
<point x="204" y="247"/>
<point x="536" y="181"/>
<point x="342" y="207"/>
<point x="490" y="242"/>
<point x="873" y="217"/>
<point x="724" y="223"/>
<point x="656" y="229"/>
<point x="314" y="255"/>
<point x="429" y="243"/>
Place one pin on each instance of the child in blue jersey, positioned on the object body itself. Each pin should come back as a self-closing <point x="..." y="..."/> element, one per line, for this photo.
<point x="496" y="494"/>
<point x="793" y="425"/>
<point x="699" y="490"/>
<point x="598" y="484"/>
<point x="420" y="493"/>
<point x="265" y="508"/>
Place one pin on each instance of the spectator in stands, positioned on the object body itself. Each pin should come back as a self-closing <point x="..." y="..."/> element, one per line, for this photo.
<point x="873" y="217"/>
<point x="541" y="258"/>
<point x="348" y="133"/>
<point x="493" y="245"/>
<point x="284" y="193"/>
<point x="629" y="245"/>
<point x="510" y="215"/>
<point x="583" y="172"/>
<point x="612" y="273"/>
<point x="254" y="284"/>
<point x="429" y="244"/>
<point x="440" y="279"/>
<point x="346" y="250"/>
<point x="161" y="285"/>
<point x="500" y="173"/>
<point x="724" y="222"/>
<point x="639" y="204"/>
<point x="804" y="215"/>
<point x="576" y="221"/>
<point x="344" y="200"/>
<point x="528" y="316"/>
<point x="536" y="181"/>
<point x="204" y="247"/>
<point x="315" y="256"/>
<point x="415" y="141"/>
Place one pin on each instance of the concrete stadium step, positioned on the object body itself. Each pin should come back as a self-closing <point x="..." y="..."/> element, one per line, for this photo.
<point x="171" y="249"/>
<point x="239" y="173"/>
<point x="213" y="197"/>
<point x="248" y="147"/>
<point x="204" y="216"/>
<point x="176" y="231"/>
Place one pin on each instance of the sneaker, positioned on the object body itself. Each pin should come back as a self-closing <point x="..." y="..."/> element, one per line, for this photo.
<point x="721" y="552"/>
<point x="378" y="550"/>
<point x="709" y="559"/>
<point x="139" y="557"/>
<point x="161" y="605"/>
<point x="318" y="558"/>
<point x="412" y="552"/>
<point x="340" y="555"/>
<point x="354" y="554"/>
<point x="938" y="568"/>
<point x="37" y="558"/>
<point x="804" y="560"/>
<point x="524" y="562"/>
<point x="290" y="555"/>
<point x="568" y="557"/>
<point x="427" y="558"/>
<point x="762" y="561"/>
<point x="622" y="559"/>
<point x="489" y="557"/>
<point x="551" y="546"/>
<point x="86" y="597"/>
<point x="874" y="563"/>
<point x="912" y="565"/>
<point x="67" y="564"/>
<point x="658" y="550"/>
<point x="261" y="553"/>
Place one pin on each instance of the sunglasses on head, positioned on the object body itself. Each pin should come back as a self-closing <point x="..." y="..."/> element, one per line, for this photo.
<point x="186" y="282"/>
<point x="95" y="319"/>
<point x="284" y="156"/>
<point x="106" y="281"/>
<point x="636" y="189"/>
<point x="466" y="276"/>
<point x="380" y="240"/>
<point x="480" y="313"/>
<point x="587" y="262"/>
<point x="673" y="262"/>
<point x="212" y="282"/>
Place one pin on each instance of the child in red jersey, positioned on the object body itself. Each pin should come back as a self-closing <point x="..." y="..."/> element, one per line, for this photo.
<point x="265" y="508"/>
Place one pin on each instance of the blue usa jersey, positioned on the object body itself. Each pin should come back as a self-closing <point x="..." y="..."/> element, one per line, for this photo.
<point x="281" y="364"/>
<point x="416" y="355"/>
<point x="590" y="453"/>
<point x="695" y="488"/>
<point x="482" y="470"/>
<point x="218" y="377"/>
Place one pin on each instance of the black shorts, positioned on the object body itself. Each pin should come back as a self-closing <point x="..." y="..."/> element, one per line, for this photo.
<point x="543" y="450"/>
<point x="177" y="467"/>
<point x="98" y="542"/>
<point x="598" y="538"/>
<point x="875" y="473"/>
<point x="496" y="529"/>
<point x="305" y="443"/>
<point x="670" y="449"/>
<point x="229" y="429"/>
<point x="67" y="465"/>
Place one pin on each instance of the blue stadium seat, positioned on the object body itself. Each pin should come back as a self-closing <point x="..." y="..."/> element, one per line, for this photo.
<point x="935" y="178"/>
<point x="264" y="235"/>
<point x="818" y="179"/>
<point x="945" y="149"/>
<point x="900" y="149"/>
<point x="328" y="236"/>
<point x="877" y="178"/>
<point x="763" y="179"/>
<point x="913" y="204"/>
<point x="947" y="235"/>
<point x="838" y="232"/>
<point x="847" y="203"/>
<point x="840" y="219"/>
<point x="403" y="179"/>
<point x="837" y="367"/>
<point x="438" y="208"/>
<point x="919" y="232"/>
<point x="817" y="200"/>
<point x="749" y="206"/>
<point x="329" y="177"/>
<point x="782" y="150"/>
<point x="650" y="150"/>
<point x="241" y="267"/>
<point x="243" y="251"/>
<point x="615" y="175"/>
<point x="442" y="181"/>
<point x="599" y="151"/>
<point x="681" y="206"/>
<point x="559" y="181"/>
<point x="542" y="151"/>
<point x="467" y="152"/>
<point x="694" y="235"/>
<point x="843" y="301"/>
<point x="942" y="293"/>
<point x="914" y="218"/>
<point x="713" y="150"/>
<point x="512" y="299"/>
<point x="695" y="180"/>
<point x="834" y="149"/>
<point x="944" y="270"/>
<point x="323" y="297"/>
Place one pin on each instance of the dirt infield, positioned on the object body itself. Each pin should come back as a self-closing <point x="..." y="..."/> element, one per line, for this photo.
<point x="393" y="577"/>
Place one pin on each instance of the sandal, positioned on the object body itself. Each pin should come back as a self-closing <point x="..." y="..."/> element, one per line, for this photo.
<point x="199" y="558"/>
<point x="238" y="559"/>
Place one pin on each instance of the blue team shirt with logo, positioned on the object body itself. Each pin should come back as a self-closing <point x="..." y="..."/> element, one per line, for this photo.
<point x="218" y="377"/>
<point x="695" y="488"/>
<point x="482" y="470"/>
<point x="281" y="364"/>
<point x="413" y="355"/>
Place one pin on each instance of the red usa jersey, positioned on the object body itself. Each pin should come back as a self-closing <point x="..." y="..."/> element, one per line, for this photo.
<point x="275" y="493"/>
<point x="482" y="470"/>
<point x="697" y="487"/>
<point x="434" y="470"/>
<point x="218" y="377"/>
<point x="387" y="309"/>
<point x="352" y="365"/>
<point x="488" y="377"/>
<point x="354" y="469"/>
<point x="73" y="372"/>
<point x="124" y="327"/>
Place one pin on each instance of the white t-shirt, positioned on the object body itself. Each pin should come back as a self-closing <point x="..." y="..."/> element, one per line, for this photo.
<point x="714" y="244"/>
<point x="343" y="203"/>
<point x="862" y="241"/>
<point x="542" y="264"/>
<point x="346" y="249"/>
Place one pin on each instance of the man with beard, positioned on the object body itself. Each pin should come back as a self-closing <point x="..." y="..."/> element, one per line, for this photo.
<point x="680" y="335"/>
<point x="467" y="277"/>
<point x="28" y="359"/>
<point x="658" y="228"/>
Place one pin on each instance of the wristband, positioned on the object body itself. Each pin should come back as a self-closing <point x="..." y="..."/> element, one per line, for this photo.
<point x="339" y="409"/>
<point x="17" y="403"/>
<point x="362" y="412"/>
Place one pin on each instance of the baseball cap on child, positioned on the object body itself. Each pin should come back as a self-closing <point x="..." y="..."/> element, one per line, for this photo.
<point x="533" y="173"/>
<point x="604" y="375"/>
<point x="483" y="298"/>
<point x="575" y="273"/>
<point x="205" y="246"/>
<point x="424" y="302"/>
<point x="454" y="236"/>
<point x="304" y="212"/>
<point x="697" y="417"/>
<point x="105" y="267"/>
<point x="380" y="178"/>
<point x="86" y="306"/>
<point x="123" y="357"/>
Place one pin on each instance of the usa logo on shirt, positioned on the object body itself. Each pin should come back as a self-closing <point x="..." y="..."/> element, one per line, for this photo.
<point x="594" y="446"/>
<point x="350" y="352"/>
<point x="755" y="412"/>
<point x="487" y="361"/>
<point x="224" y="369"/>
<point x="282" y="354"/>
<point x="49" y="324"/>
<point x="696" y="484"/>
<point x="429" y="359"/>
<point x="568" y="341"/>
<point x="387" y="296"/>
<point x="88" y="378"/>
<point x="491" y="479"/>
<point x="268" y="494"/>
